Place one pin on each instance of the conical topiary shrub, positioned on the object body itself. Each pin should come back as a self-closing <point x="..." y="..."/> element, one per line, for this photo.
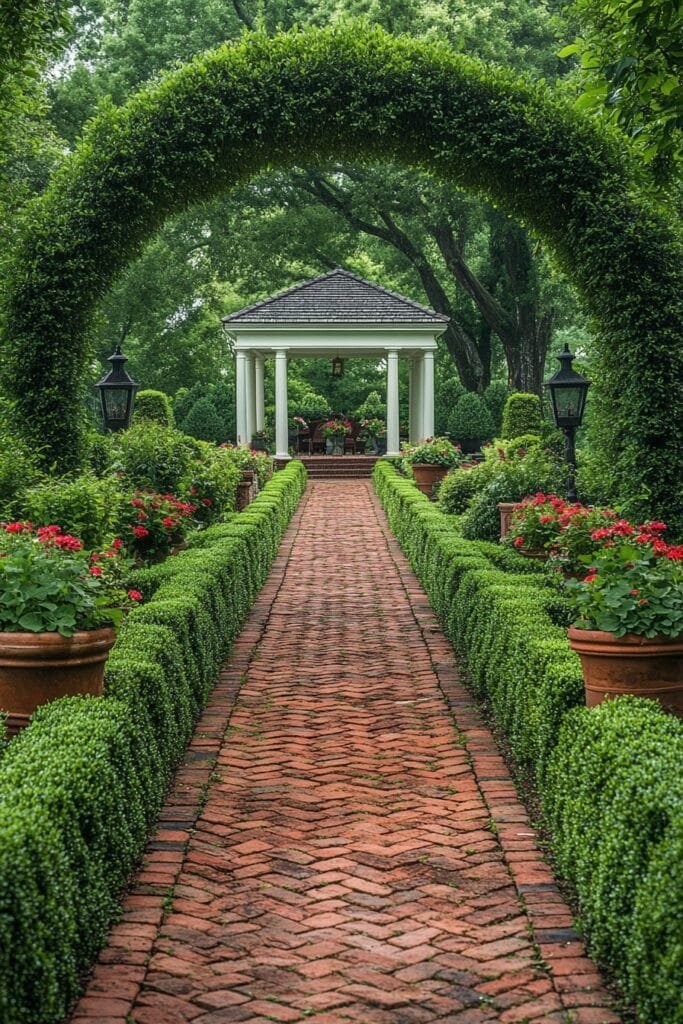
<point x="202" y="421"/>
<point x="471" y="423"/>
<point x="521" y="415"/>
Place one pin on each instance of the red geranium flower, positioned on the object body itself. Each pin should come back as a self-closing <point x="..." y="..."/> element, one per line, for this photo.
<point x="140" y="531"/>
<point x="135" y="595"/>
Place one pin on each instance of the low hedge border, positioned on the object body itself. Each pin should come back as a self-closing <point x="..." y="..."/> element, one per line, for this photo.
<point x="609" y="777"/>
<point x="80" y="788"/>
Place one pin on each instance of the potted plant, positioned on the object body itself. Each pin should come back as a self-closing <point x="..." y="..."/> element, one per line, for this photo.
<point x="471" y="423"/>
<point x="629" y="630"/>
<point x="152" y="524"/>
<point x="376" y="431"/>
<point x="430" y="461"/>
<point x="59" y="605"/>
<point x="334" y="431"/>
<point x="262" y="440"/>
<point x="534" y="524"/>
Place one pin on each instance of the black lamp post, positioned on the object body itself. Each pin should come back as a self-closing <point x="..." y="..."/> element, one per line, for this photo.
<point x="337" y="367"/>
<point x="117" y="393"/>
<point x="568" y="390"/>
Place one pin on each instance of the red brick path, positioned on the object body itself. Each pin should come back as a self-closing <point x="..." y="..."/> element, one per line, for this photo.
<point x="362" y="854"/>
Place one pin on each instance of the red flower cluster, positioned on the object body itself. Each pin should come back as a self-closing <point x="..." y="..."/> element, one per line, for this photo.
<point x="50" y="536"/>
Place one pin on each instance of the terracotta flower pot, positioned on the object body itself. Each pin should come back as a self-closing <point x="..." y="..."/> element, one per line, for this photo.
<point x="39" y="667"/>
<point x="630" y="664"/>
<point x="427" y="476"/>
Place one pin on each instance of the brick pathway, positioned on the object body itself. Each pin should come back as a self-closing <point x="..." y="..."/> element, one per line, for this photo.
<point x="361" y="854"/>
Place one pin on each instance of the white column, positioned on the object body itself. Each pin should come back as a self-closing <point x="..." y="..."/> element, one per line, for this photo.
<point x="416" y="401"/>
<point x="281" y="414"/>
<point x="258" y="384"/>
<point x="241" y="396"/>
<point x="393" y="436"/>
<point x="250" y="395"/>
<point x="412" y="400"/>
<point x="428" y="395"/>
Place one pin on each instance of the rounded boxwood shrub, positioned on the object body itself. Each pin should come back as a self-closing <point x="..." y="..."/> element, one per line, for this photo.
<point x="152" y="456"/>
<point x="155" y="406"/>
<point x="521" y="415"/>
<point x="471" y="420"/>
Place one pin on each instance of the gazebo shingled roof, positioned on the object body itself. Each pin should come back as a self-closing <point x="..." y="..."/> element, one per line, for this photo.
<point x="336" y="297"/>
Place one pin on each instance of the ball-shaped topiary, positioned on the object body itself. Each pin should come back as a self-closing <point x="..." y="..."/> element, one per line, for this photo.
<point x="350" y="93"/>
<point x="521" y="415"/>
<point x="471" y="421"/>
<point x="155" y="406"/>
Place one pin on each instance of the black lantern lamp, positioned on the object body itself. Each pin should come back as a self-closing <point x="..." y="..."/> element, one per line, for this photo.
<point x="337" y="367"/>
<point x="117" y="393"/>
<point x="568" y="390"/>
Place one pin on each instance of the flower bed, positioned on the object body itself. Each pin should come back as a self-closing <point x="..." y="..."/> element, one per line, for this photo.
<point x="81" y="786"/>
<point x="609" y="777"/>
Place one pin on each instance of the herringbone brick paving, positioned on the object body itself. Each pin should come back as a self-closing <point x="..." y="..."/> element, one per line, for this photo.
<point x="361" y="854"/>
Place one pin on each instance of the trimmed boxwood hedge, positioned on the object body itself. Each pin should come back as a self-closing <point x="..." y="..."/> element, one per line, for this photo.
<point x="610" y="778"/>
<point x="353" y="93"/>
<point x="81" y="786"/>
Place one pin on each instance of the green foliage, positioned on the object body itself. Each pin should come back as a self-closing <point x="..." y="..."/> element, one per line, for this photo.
<point x="212" y="482"/>
<point x="630" y="63"/>
<point x="202" y="421"/>
<point x="479" y="128"/>
<point x="447" y="392"/>
<point x="83" y="505"/>
<point x="155" y="406"/>
<point x="612" y="797"/>
<point x="457" y="490"/>
<point x="471" y="420"/>
<point x="373" y="408"/>
<point x="508" y="480"/>
<point x="495" y="397"/>
<point x="153" y="457"/>
<point x="313" y="407"/>
<point x="82" y="785"/>
<point x="521" y="415"/>
<point x="18" y="470"/>
<point x="609" y="777"/>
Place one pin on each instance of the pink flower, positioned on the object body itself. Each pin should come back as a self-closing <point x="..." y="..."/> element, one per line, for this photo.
<point x="207" y="501"/>
<point x="68" y="543"/>
<point x="518" y="542"/>
<point x="95" y="570"/>
<point x="135" y="595"/>
<point x="140" y="532"/>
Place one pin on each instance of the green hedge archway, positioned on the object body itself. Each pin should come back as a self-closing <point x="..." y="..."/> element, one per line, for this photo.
<point x="355" y="94"/>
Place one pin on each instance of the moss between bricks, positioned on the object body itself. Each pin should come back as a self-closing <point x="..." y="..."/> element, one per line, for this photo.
<point x="80" y="788"/>
<point x="609" y="777"/>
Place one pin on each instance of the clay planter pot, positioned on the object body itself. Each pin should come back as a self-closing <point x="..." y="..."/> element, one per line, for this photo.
<point x="427" y="476"/>
<point x="630" y="664"/>
<point x="39" y="667"/>
<point x="505" y="508"/>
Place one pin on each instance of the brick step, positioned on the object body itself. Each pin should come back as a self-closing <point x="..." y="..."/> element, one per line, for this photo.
<point x="339" y="467"/>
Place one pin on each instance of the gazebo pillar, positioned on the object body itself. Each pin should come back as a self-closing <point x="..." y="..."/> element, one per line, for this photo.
<point x="393" y="423"/>
<point x="281" y="413"/>
<point x="250" y="393"/>
<point x="427" y="395"/>
<point x="258" y="385"/>
<point x="416" y="399"/>
<point x="241" y="395"/>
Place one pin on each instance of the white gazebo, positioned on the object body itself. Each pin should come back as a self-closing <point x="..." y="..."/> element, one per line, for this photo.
<point x="334" y="315"/>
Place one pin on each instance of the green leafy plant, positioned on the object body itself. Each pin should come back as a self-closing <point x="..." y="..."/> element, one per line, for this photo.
<point x="373" y="408"/>
<point x="84" y="505"/>
<point x="435" y="451"/>
<point x="634" y="584"/>
<point x="150" y="524"/>
<point x="521" y="415"/>
<point x="202" y="421"/>
<point x="50" y="584"/>
<point x="155" y="406"/>
<point x="154" y="457"/>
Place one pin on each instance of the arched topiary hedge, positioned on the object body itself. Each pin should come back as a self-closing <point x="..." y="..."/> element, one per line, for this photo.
<point x="357" y="94"/>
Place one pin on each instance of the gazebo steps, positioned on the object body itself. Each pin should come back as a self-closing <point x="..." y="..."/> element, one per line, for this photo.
<point x="338" y="467"/>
